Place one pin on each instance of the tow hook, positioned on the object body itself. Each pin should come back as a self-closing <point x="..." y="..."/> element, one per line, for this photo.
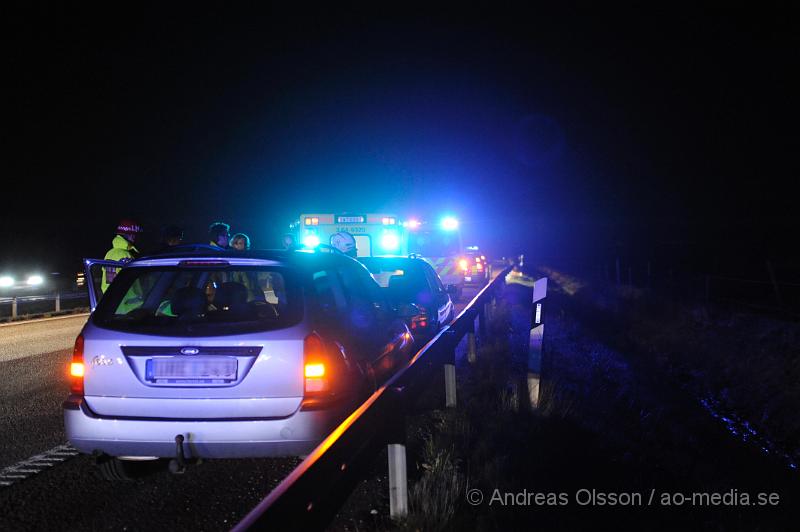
<point x="177" y="465"/>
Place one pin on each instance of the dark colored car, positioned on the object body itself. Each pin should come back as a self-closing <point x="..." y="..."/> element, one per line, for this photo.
<point x="475" y="268"/>
<point x="413" y="288"/>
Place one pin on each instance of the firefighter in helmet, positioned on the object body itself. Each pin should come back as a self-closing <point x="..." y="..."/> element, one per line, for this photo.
<point x="122" y="249"/>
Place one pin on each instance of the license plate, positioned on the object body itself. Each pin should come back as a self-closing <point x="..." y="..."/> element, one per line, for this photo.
<point x="192" y="370"/>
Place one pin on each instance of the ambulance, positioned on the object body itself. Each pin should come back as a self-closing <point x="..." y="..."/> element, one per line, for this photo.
<point x="379" y="235"/>
<point x="375" y="234"/>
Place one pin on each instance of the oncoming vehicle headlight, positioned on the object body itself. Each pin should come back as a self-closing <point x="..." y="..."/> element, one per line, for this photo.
<point x="6" y="281"/>
<point x="35" y="280"/>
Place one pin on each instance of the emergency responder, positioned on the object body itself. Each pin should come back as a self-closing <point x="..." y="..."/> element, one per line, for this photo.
<point x="288" y="242"/>
<point x="218" y="234"/>
<point x="122" y="249"/>
<point x="171" y="236"/>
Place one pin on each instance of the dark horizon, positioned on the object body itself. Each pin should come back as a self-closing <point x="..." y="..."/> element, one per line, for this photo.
<point x="577" y="136"/>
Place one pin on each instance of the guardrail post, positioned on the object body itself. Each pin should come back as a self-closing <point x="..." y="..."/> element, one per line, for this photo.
<point x="58" y="300"/>
<point x="14" y="307"/>
<point x="482" y="320"/>
<point x="450" y="385"/>
<point x="535" y="342"/>
<point x="472" y="350"/>
<point x="398" y="479"/>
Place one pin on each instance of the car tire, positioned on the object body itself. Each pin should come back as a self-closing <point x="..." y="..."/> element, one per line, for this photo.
<point x="116" y="470"/>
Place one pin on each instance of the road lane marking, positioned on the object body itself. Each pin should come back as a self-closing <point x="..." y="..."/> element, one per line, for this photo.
<point x="36" y="464"/>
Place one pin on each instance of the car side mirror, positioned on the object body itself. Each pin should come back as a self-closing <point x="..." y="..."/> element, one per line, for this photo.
<point x="408" y="310"/>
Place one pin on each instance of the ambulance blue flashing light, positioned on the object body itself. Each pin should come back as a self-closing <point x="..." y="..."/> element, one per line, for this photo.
<point x="311" y="241"/>
<point x="449" y="223"/>
<point x="390" y="241"/>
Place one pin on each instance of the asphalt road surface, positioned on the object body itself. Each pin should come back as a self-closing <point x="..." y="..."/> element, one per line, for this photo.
<point x="46" y="485"/>
<point x="33" y="361"/>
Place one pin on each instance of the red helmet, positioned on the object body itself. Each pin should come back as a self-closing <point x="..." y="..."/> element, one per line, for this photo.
<point x="128" y="227"/>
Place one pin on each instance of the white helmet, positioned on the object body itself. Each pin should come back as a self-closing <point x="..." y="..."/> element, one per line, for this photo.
<point x="344" y="242"/>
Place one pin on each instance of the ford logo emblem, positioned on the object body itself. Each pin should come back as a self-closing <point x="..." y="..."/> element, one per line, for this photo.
<point x="189" y="351"/>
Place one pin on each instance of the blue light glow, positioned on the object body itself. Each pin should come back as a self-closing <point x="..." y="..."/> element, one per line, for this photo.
<point x="311" y="241"/>
<point x="390" y="242"/>
<point x="449" y="223"/>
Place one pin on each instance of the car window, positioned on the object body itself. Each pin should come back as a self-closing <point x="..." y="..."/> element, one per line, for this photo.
<point x="197" y="301"/>
<point x="330" y="297"/>
<point x="364" y="297"/>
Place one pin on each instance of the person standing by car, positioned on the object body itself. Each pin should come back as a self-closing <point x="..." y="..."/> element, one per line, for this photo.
<point x="171" y="237"/>
<point x="122" y="249"/>
<point x="240" y="242"/>
<point x="218" y="234"/>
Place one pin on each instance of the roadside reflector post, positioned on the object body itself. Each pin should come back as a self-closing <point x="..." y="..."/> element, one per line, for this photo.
<point x="398" y="479"/>
<point x="535" y="342"/>
<point x="14" y="307"/>
<point x="58" y="300"/>
<point x="472" y="350"/>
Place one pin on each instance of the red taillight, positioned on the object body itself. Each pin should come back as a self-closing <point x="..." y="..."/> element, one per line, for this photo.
<point x="419" y="322"/>
<point x="479" y="266"/>
<point x="316" y="370"/>
<point x="76" y="368"/>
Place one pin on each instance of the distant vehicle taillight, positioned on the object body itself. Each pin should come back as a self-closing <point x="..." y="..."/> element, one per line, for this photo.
<point x="76" y="368"/>
<point x="419" y="322"/>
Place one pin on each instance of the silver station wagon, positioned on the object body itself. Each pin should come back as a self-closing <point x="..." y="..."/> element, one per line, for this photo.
<point x="222" y="354"/>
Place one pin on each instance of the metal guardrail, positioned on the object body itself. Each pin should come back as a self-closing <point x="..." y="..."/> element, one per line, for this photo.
<point x="312" y="494"/>
<point x="56" y="297"/>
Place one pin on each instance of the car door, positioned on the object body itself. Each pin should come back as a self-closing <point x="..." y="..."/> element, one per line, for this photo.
<point x="383" y="334"/>
<point x="94" y="271"/>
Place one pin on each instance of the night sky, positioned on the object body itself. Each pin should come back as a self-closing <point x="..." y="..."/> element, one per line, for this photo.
<point x="583" y="135"/>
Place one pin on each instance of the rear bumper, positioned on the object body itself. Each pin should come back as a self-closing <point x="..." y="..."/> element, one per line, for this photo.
<point x="295" y="435"/>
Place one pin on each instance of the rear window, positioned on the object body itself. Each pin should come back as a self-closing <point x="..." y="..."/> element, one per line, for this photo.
<point x="403" y="281"/>
<point x="200" y="301"/>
